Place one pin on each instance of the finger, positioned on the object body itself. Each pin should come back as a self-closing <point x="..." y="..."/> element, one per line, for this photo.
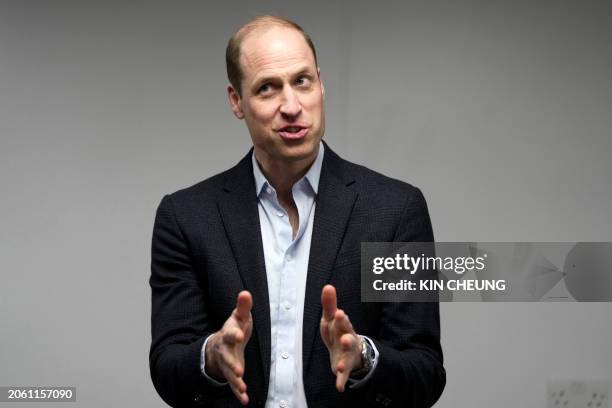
<point x="328" y="301"/>
<point x="234" y="366"/>
<point x="244" y="304"/>
<point x="342" y="322"/>
<point x="244" y="398"/>
<point x="348" y="342"/>
<point x="238" y="385"/>
<point x="240" y="395"/>
<point x="233" y="336"/>
<point x="341" y="378"/>
<point x="325" y="335"/>
<point x="235" y="381"/>
<point x="340" y="366"/>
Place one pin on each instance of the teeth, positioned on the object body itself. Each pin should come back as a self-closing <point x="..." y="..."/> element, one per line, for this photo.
<point x="293" y="129"/>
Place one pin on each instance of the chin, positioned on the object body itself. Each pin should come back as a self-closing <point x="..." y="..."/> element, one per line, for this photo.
<point x="300" y="152"/>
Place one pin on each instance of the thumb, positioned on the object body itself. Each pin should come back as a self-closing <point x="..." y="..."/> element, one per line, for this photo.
<point x="328" y="301"/>
<point x="244" y="304"/>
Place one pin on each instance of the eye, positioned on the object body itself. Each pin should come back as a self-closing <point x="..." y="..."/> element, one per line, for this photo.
<point x="265" y="88"/>
<point x="303" y="81"/>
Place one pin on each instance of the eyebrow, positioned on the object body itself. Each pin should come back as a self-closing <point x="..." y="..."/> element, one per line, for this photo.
<point x="264" y="79"/>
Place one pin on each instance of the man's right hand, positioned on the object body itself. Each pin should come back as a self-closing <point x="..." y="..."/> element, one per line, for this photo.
<point x="225" y="348"/>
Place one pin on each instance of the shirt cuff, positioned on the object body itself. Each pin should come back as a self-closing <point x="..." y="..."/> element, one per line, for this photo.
<point x="355" y="384"/>
<point x="211" y="380"/>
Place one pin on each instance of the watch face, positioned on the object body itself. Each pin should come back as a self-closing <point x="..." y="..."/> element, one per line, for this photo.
<point x="366" y="354"/>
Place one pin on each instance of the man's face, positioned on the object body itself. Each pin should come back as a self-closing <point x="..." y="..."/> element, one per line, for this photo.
<point x="282" y="95"/>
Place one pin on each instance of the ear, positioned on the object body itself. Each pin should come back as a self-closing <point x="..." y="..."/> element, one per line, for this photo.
<point x="322" y="86"/>
<point x="234" y="101"/>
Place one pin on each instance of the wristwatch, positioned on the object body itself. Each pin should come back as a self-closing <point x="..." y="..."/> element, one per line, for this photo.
<point x="367" y="359"/>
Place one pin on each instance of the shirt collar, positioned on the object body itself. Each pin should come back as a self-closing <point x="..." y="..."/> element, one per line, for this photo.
<point x="312" y="175"/>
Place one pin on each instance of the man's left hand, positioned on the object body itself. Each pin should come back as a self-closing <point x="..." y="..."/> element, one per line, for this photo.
<point x="343" y="343"/>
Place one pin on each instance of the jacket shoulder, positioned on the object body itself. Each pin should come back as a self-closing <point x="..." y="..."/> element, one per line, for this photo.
<point x="209" y="187"/>
<point x="373" y="183"/>
<point x="208" y="191"/>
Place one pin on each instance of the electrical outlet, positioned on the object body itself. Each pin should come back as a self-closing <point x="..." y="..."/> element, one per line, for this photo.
<point x="597" y="394"/>
<point x="564" y="394"/>
<point x="568" y="393"/>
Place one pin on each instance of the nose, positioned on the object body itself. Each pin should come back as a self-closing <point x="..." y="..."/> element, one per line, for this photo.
<point x="290" y="105"/>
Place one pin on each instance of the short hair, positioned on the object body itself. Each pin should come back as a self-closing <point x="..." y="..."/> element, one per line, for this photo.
<point x="232" y="52"/>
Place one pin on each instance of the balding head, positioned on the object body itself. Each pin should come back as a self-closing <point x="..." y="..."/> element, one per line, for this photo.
<point x="256" y="25"/>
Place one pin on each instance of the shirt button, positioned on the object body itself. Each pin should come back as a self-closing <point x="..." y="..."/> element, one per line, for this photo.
<point x="283" y="404"/>
<point x="280" y="213"/>
<point x="288" y="258"/>
<point x="269" y="190"/>
<point x="285" y="355"/>
<point x="287" y="305"/>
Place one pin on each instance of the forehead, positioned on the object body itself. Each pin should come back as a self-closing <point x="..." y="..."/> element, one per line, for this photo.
<point x="270" y="49"/>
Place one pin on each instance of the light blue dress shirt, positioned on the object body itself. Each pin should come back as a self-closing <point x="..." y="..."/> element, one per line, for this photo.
<point x="286" y="260"/>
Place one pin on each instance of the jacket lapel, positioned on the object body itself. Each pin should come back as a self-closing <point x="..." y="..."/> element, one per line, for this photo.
<point x="238" y="209"/>
<point x="334" y="206"/>
<point x="240" y="217"/>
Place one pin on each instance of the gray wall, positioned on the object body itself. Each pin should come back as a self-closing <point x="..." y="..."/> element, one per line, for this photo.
<point x="498" y="110"/>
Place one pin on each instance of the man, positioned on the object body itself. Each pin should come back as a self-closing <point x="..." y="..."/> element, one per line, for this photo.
<point x="255" y="272"/>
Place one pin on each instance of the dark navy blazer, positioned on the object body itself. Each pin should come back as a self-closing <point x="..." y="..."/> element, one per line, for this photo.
<point x="207" y="247"/>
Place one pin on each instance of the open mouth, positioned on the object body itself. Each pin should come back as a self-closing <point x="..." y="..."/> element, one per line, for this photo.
<point x="293" y="132"/>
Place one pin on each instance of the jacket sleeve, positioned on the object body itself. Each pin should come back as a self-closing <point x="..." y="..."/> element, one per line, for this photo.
<point x="410" y="371"/>
<point x="179" y="320"/>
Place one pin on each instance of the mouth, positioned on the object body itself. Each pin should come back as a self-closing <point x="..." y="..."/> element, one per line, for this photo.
<point x="293" y="132"/>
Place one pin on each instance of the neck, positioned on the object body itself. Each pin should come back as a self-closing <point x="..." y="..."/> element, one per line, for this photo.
<point x="283" y="174"/>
